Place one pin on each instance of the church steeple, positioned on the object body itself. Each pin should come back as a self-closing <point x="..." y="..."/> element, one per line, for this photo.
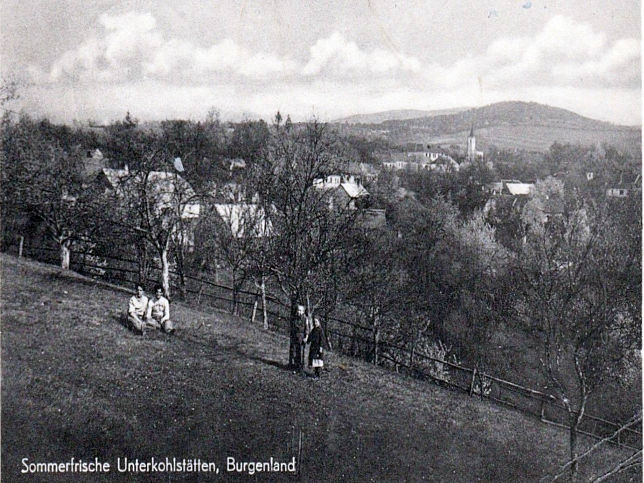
<point x="471" y="145"/>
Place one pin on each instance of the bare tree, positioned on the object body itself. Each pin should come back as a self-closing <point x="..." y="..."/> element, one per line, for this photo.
<point x="375" y="282"/>
<point x="155" y="201"/>
<point x="579" y="298"/>
<point x="239" y="228"/>
<point x="42" y="177"/>
<point x="305" y="231"/>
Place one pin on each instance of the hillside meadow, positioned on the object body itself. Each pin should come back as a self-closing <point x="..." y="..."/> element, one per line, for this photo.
<point x="76" y="383"/>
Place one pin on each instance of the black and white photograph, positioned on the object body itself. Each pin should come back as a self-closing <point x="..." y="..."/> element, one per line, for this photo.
<point x="321" y="240"/>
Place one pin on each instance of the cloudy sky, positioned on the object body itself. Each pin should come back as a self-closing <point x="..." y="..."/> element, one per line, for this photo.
<point x="328" y="58"/>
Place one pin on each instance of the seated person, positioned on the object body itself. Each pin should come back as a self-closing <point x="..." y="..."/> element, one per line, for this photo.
<point x="137" y="309"/>
<point x="158" y="314"/>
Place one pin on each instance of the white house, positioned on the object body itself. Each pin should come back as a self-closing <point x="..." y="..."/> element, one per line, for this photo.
<point x="244" y="219"/>
<point x="167" y="189"/>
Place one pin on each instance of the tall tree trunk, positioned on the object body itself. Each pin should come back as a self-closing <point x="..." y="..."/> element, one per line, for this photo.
<point x="325" y="327"/>
<point x="165" y="272"/>
<point x="376" y="339"/>
<point x="179" y="258"/>
<point x="252" y="317"/>
<point x="412" y="352"/>
<point x="573" y="448"/>
<point x="264" y="309"/>
<point x="65" y="255"/>
<point x="235" y="294"/>
<point x="182" y="277"/>
<point x="353" y="348"/>
<point x="294" y="343"/>
<point x="142" y="259"/>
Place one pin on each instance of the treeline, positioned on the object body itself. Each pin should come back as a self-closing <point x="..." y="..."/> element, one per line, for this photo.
<point x="559" y="270"/>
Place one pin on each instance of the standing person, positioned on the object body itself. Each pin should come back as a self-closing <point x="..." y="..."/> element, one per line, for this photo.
<point x="315" y="351"/>
<point x="295" y="359"/>
<point x="137" y="309"/>
<point x="158" y="315"/>
<point x="304" y="329"/>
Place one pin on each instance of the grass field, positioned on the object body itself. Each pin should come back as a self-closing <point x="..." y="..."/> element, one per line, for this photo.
<point x="535" y="137"/>
<point x="76" y="383"/>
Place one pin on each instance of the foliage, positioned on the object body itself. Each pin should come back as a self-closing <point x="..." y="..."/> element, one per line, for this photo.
<point x="579" y="296"/>
<point x="43" y="177"/>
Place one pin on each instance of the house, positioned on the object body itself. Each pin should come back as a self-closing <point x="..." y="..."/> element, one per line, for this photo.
<point x="519" y="189"/>
<point x="510" y="187"/>
<point x="507" y="189"/>
<point x="617" y="192"/>
<point x="625" y="188"/>
<point x="344" y="189"/>
<point x="434" y="160"/>
<point x="230" y="192"/>
<point x="244" y="219"/>
<point x="365" y="171"/>
<point x="93" y="163"/>
<point x="167" y="189"/>
<point x="427" y="155"/>
<point x="236" y="163"/>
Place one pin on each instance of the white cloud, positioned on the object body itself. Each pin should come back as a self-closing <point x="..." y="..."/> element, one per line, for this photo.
<point x="335" y="56"/>
<point x="569" y="61"/>
<point x="564" y="52"/>
<point x="133" y="48"/>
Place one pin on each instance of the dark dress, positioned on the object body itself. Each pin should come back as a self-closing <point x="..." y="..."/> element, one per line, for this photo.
<point x="315" y="339"/>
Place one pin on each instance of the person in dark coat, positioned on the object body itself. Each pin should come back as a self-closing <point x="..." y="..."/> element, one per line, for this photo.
<point x="315" y="350"/>
<point x="297" y="340"/>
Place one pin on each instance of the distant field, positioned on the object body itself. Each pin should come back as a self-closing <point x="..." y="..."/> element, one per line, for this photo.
<point x="76" y="383"/>
<point x="534" y="138"/>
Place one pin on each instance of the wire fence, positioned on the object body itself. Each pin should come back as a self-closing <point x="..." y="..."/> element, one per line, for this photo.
<point x="351" y="338"/>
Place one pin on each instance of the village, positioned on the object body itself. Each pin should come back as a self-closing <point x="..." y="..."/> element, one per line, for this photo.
<point x="321" y="241"/>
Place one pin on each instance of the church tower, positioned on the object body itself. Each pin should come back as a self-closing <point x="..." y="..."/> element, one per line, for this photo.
<point x="471" y="145"/>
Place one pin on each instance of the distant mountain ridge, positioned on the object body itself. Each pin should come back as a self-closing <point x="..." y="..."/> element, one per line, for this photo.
<point x="512" y="125"/>
<point x="396" y="115"/>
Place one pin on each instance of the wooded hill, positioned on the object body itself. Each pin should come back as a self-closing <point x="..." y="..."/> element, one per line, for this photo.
<point x="514" y="125"/>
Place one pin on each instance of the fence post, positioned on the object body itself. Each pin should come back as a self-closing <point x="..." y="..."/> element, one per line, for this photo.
<point x="22" y="241"/>
<point x="543" y="409"/>
<point x="472" y="382"/>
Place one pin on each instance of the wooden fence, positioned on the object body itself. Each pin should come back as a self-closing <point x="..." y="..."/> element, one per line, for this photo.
<point x="354" y="339"/>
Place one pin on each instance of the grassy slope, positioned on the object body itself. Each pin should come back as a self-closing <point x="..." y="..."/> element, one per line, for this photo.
<point x="540" y="138"/>
<point x="76" y="383"/>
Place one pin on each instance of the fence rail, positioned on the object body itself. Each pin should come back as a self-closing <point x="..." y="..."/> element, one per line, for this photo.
<point x="544" y="406"/>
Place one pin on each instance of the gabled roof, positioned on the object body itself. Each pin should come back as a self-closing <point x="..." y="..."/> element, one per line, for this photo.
<point x="519" y="188"/>
<point x="354" y="190"/>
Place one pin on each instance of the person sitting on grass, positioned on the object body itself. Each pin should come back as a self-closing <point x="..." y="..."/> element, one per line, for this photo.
<point x="158" y="315"/>
<point x="137" y="310"/>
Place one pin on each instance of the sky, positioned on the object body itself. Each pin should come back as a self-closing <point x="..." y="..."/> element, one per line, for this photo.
<point x="163" y="59"/>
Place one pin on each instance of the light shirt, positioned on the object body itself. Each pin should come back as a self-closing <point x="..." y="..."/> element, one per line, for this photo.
<point x="138" y="306"/>
<point x="159" y="309"/>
